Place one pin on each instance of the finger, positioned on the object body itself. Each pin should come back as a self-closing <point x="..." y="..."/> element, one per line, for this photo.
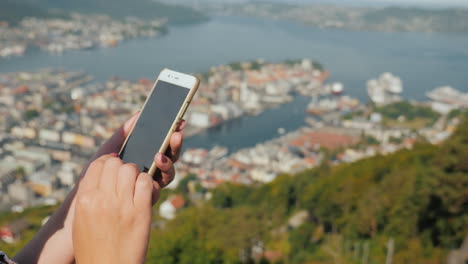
<point x="156" y="193"/>
<point x="93" y="173"/>
<point x="166" y="169"/>
<point x="181" y="125"/>
<point x="175" y="145"/>
<point x="128" y="125"/>
<point x="115" y="142"/>
<point x="127" y="177"/>
<point x="143" y="191"/>
<point x="108" y="181"/>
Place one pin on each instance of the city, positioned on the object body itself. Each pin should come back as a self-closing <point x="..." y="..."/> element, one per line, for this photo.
<point x="63" y="116"/>
<point x="322" y="132"/>
<point x="80" y="31"/>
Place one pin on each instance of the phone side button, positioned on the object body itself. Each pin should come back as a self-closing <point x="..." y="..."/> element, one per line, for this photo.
<point x="184" y="109"/>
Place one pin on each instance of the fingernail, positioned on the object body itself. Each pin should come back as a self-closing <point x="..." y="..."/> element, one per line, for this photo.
<point x="114" y="154"/>
<point x="163" y="158"/>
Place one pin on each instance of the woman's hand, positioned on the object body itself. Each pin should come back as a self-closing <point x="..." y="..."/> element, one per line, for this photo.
<point x="165" y="163"/>
<point x="53" y="242"/>
<point x="113" y="213"/>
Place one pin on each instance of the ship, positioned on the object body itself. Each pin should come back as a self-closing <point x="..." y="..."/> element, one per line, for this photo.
<point x="218" y="152"/>
<point x="449" y="95"/>
<point x="445" y="99"/>
<point x="385" y="90"/>
<point x="320" y="107"/>
<point x="337" y="88"/>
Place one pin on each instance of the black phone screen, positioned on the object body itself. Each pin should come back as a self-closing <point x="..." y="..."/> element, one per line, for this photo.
<point x="154" y="124"/>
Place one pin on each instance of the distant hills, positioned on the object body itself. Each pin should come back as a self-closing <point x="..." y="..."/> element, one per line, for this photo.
<point x="443" y="20"/>
<point x="14" y="10"/>
<point x="356" y="18"/>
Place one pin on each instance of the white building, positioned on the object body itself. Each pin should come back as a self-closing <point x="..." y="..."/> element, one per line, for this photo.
<point x="20" y="192"/>
<point x="262" y="175"/>
<point x="168" y="208"/>
<point x="199" y="119"/>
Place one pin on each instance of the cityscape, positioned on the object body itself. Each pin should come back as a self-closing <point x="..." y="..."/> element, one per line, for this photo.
<point x="282" y="188"/>
<point x="57" y="35"/>
<point x="63" y="116"/>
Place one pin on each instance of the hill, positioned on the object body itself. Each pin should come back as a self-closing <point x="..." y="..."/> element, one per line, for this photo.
<point x="13" y="11"/>
<point x="414" y="200"/>
<point x="438" y="20"/>
<point x="115" y="8"/>
<point x="387" y="19"/>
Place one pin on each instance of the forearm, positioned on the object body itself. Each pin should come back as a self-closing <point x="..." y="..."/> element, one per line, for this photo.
<point x="52" y="244"/>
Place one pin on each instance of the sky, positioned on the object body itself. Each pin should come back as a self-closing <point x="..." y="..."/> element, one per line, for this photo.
<point x="422" y="3"/>
<point x="375" y="3"/>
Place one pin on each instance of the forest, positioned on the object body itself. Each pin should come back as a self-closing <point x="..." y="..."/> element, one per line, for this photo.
<point x="414" y="201"/>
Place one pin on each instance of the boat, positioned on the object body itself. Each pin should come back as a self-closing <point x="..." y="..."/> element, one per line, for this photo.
<point x="320" y="107"/>
<point x="449" y="95"/>
<point x="385" y="90"/>
<point x="337" y="88"/>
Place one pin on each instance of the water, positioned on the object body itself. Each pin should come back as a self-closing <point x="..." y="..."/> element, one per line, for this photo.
<point x="250" y="130"/>
<point x="423" y="61"/>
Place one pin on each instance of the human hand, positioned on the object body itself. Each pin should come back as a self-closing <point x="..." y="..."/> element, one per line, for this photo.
<point x="112" y="213"/>
<point x="164" y="162"/>
<point x="53" y="242"/>
<point x="114" y="144"/>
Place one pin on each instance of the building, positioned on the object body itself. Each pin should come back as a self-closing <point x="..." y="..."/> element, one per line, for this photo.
<point x="169" y="207"/>
<point x="43" y="182"/>
<point x="9" y="233"/>
<point x="21" y="193"/>
<point x="325" y="139"/>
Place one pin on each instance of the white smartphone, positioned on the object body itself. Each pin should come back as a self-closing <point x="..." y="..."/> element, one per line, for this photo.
<point x="164" y="107"/>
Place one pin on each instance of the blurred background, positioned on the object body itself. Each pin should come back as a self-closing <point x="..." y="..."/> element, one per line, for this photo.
<point x="323" y="131"/>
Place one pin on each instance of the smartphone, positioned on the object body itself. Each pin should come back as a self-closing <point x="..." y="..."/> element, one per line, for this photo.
<point x="161" y="113"/>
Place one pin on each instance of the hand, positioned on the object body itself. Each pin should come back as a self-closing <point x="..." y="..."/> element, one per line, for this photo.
<point x="53" y="242"/>
<point x="164" y="162"/>
<point x="113" y="213"/>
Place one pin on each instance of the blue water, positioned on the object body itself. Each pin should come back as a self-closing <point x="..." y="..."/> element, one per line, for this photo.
<point x="423" y="61"/>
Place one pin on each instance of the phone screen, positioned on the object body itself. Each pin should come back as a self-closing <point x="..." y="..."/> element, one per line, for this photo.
<point x="154" y="124"/>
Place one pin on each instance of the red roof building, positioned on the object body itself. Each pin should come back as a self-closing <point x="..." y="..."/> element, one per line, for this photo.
<point x="177" y="201"/>
<point x="327" y="140"/>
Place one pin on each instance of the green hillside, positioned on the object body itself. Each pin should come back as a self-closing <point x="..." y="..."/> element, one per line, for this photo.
<point x="33" y="216"/>
<point x="415" y="197"/>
